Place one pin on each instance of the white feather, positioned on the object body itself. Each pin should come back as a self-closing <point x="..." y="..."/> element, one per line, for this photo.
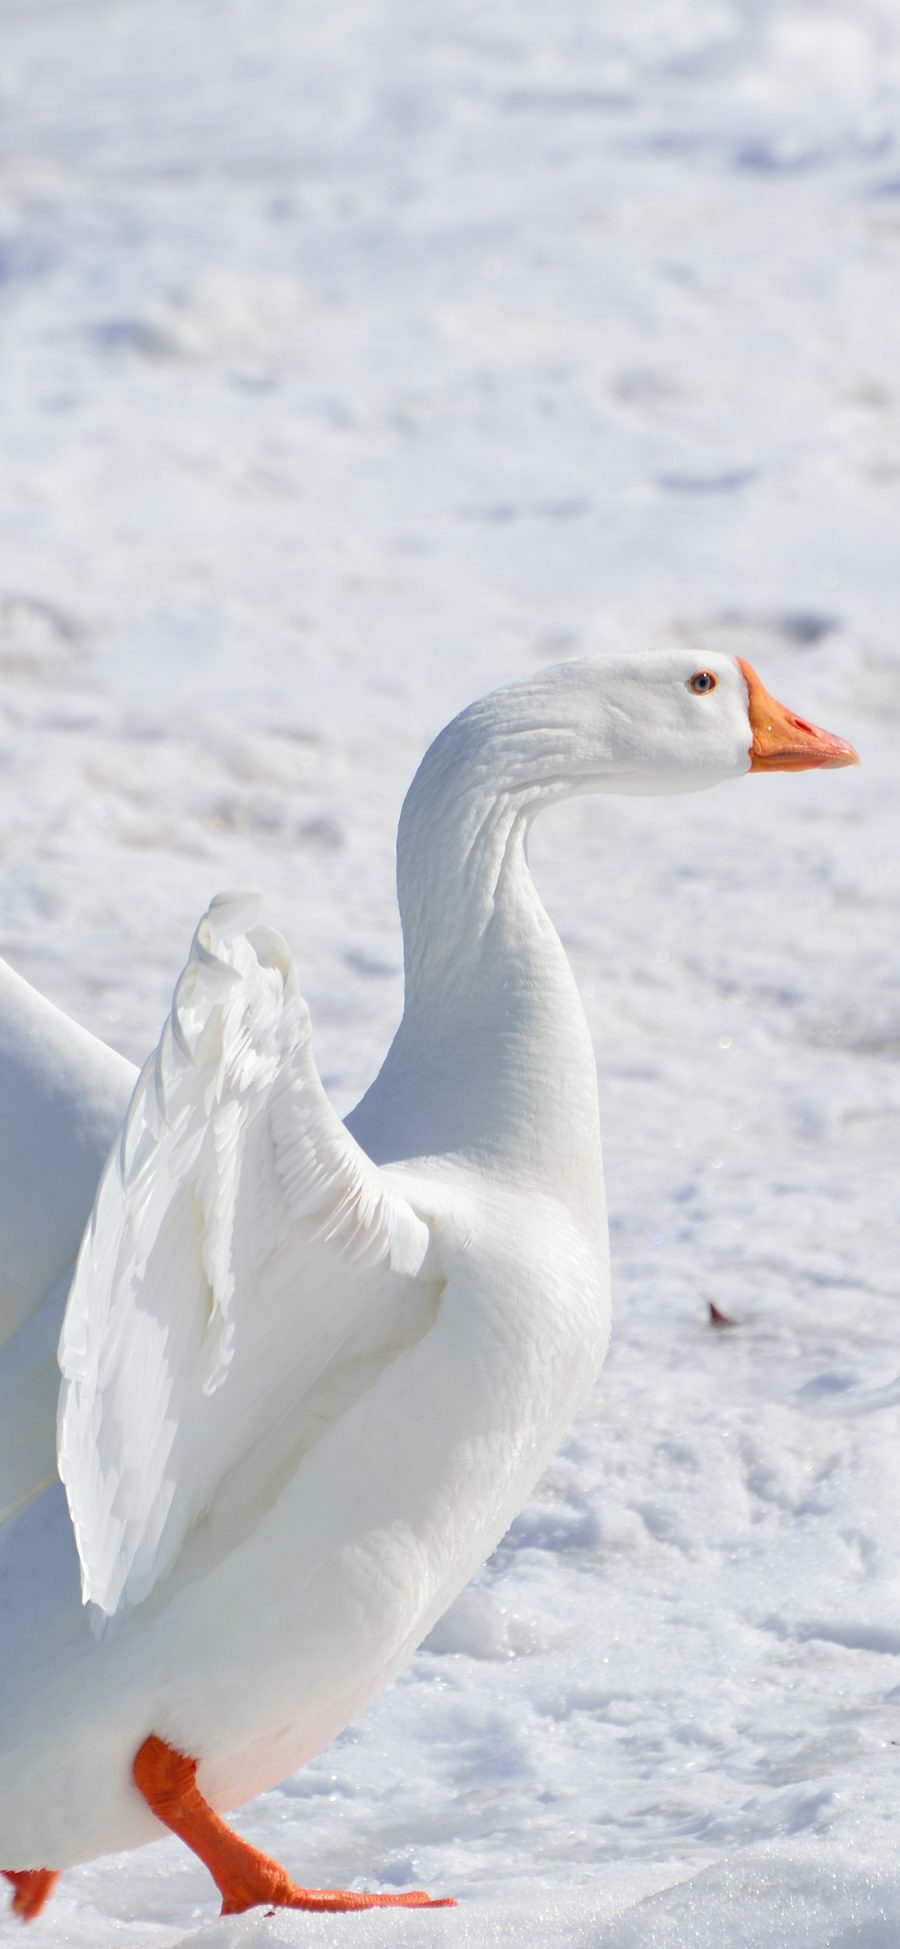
<point x="230" y="1253"/>
<point x="295" y="1415"/>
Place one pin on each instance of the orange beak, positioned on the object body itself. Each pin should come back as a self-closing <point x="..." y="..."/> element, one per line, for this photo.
<point x="783" y="742"/>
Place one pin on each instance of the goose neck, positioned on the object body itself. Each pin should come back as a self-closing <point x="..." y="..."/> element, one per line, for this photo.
<point x="464" y="889"/>
<point x="493" y="1058"/>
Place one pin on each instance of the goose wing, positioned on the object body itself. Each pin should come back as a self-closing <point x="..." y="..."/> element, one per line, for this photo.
<point x="239" y="1237"/>
<point x="29" y="1389"/>
<point x="63" y="1094"/>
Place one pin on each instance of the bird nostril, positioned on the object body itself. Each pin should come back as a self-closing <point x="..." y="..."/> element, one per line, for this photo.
<point x="800" y="724"/>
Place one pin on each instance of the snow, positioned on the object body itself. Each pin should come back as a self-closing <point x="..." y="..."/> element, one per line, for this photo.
<point x="356" y="360"/>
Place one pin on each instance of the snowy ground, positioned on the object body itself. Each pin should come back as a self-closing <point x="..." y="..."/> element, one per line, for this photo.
<point x="357" y="359"/>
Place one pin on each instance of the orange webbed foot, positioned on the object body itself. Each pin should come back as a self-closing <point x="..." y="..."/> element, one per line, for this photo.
<point x="31" y="1886"/>
<point x="320" y="1901"/>
<point x="244" y="1877"/>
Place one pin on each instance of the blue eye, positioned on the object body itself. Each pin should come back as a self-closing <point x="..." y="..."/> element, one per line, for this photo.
<point x="702" y="682"/>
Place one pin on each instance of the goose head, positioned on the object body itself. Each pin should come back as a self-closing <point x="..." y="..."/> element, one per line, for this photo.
<point x="646" y="722"/>
<point x="487" y="984"/>
<point x="662" y="721"/>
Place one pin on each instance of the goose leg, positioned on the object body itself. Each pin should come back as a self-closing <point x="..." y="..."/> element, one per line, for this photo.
<point x="245" y="1877"/>
<point x="31" y="1886"/>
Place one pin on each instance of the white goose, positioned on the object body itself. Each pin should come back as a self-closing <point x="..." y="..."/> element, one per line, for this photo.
<point x="310" y="1371"/>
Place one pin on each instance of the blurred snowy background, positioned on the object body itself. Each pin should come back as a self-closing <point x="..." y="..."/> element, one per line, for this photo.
<point x="355" y="360"/>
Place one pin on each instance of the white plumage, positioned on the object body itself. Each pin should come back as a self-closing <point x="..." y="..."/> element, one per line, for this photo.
<point x="233" y="1187"/>
<point x="309" y="1370"/>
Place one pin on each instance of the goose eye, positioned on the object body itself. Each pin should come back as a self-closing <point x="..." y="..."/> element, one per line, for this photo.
<point x="703" y="681"/>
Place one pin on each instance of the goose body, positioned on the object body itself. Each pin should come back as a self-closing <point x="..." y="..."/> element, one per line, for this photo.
<point x="310" y="1371"/>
